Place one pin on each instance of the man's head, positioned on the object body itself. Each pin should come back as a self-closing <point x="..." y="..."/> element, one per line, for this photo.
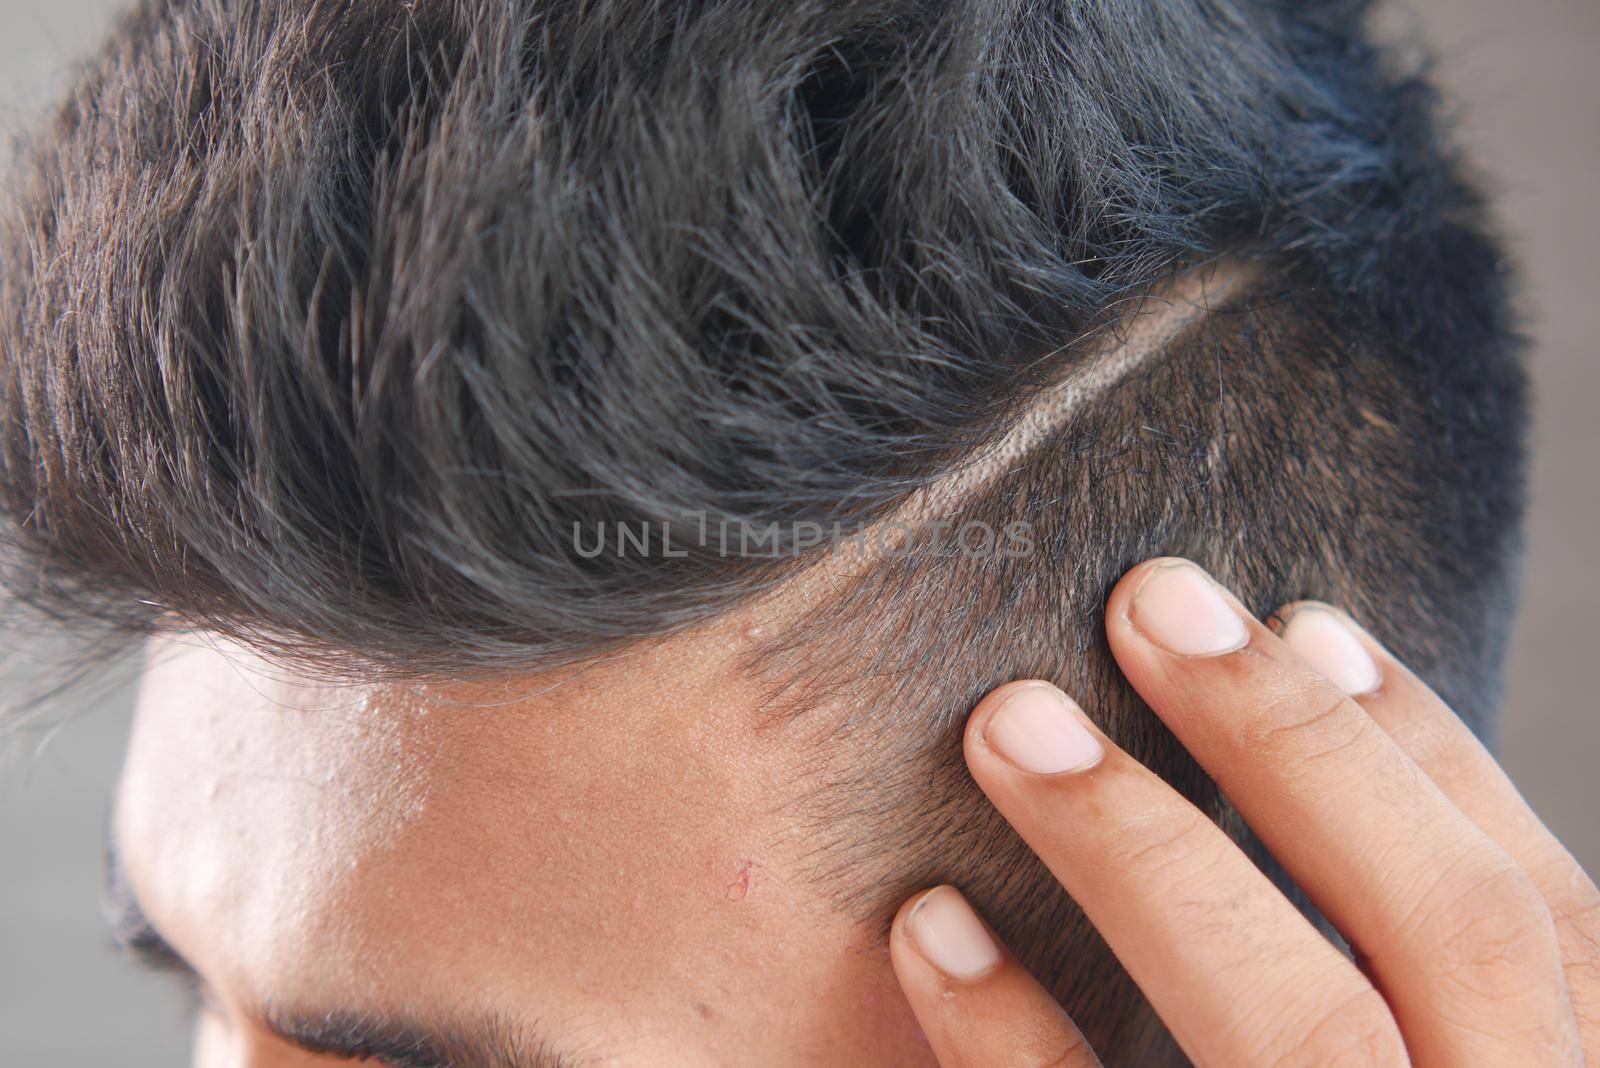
<point x="533" y="369"/>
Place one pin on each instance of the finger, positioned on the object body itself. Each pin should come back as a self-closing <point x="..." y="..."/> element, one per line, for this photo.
<point x="1236" y="972"/>
<point x="1456" y="935"/>
<point x="1469" y="776"/>
<point x="977" y="1006"/>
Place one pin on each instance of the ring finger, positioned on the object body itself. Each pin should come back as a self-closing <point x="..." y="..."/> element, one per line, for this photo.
<point x="1459" y="940"/>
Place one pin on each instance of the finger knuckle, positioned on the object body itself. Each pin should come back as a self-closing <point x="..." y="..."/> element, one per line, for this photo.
<point x="1574" y="902"/>
<point x="1070" y="1051"/>
<point x="1168" y="846"/>
<point x="1296" y="743"/>
<point x="1341" y="1020"/>
<point x="1485" y="917"/>
<point x="1578" y="928"/>
<point x="1358" y="1033"/>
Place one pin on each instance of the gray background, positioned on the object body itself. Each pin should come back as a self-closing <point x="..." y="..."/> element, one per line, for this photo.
<point x="1526" y="80"/>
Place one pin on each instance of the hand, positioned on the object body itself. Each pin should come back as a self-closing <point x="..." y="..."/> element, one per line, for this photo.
<point x="1476" y="935"/>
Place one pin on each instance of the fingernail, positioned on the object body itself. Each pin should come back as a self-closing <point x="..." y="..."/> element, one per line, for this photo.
<point x="950" y="935"/>
<point x="1037" y="728"/>
<point x="1325" y="641"/>
<point x="1180" y="609"/>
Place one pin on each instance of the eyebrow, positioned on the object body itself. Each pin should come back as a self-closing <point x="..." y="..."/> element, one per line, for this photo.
<point x="492" y="1042"/>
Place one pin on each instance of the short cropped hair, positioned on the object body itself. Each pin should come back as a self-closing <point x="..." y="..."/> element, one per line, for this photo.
<point x="338" y="328"/>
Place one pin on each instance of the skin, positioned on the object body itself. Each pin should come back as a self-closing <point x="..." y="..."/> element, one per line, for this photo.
<point x="638" y="895"/>
<point x="1476" y="937"/>
<point x="597" y="855"/>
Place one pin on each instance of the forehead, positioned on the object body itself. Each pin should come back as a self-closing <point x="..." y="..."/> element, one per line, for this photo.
<point x="607" y="844"/>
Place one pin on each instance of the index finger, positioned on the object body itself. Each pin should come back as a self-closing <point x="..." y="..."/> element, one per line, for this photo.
<point x="1238" y="975"/>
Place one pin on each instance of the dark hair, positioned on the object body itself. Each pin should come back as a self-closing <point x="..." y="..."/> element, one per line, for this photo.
<point x="327" y="327"/>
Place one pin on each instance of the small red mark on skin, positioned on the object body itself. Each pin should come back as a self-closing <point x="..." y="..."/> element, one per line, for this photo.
<point x="744" y="880"/>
